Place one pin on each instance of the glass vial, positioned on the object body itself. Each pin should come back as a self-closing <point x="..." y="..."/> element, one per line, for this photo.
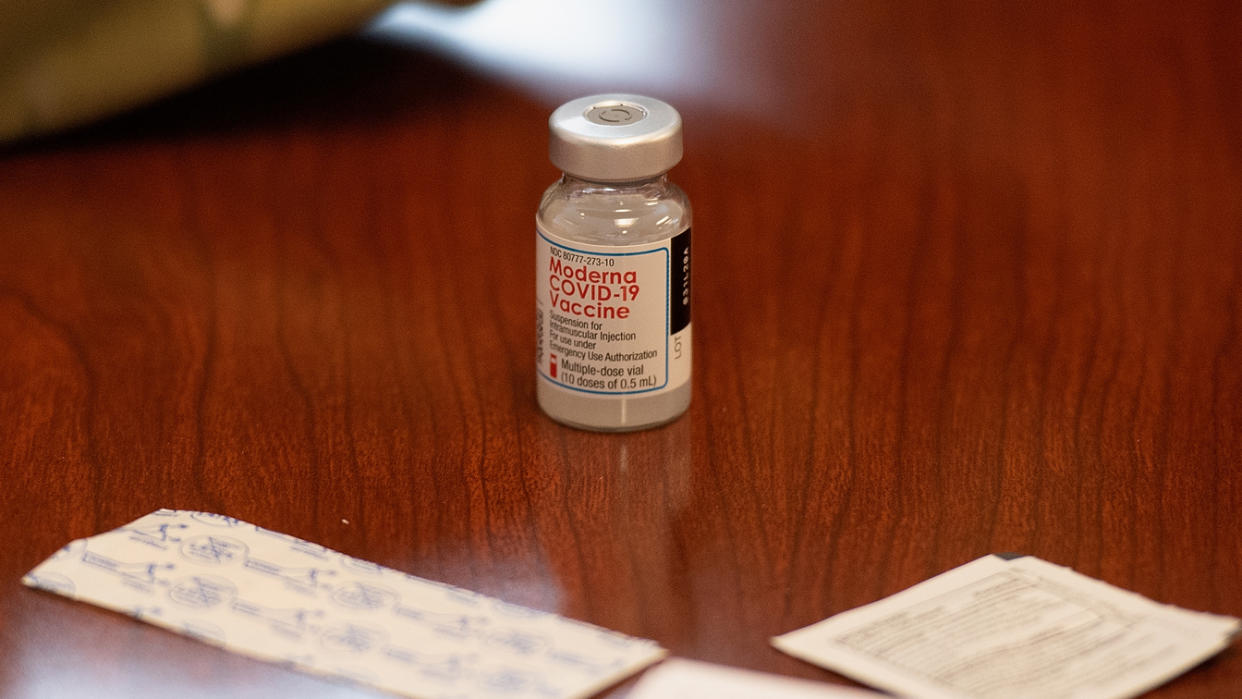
<point x="612" y="268"/>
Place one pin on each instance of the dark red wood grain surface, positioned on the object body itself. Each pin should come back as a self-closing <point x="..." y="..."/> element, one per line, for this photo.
<point x="968" y="280"/>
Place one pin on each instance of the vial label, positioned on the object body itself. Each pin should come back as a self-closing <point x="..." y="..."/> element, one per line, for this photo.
<point x="613" y="320"/>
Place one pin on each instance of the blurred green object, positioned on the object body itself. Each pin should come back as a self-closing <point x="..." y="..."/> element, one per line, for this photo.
<point x="66" y="62"/>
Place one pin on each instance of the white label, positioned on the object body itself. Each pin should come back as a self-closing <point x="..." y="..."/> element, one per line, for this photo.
<point x="613" y="320"/>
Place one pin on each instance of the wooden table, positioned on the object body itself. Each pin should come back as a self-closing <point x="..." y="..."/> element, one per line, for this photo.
<point x="968" y="279"/>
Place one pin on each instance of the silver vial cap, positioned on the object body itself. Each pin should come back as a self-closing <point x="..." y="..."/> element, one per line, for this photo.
<point x="615" y="137"/>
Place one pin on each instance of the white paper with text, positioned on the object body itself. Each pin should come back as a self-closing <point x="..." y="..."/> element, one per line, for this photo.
<point x="1012" y="628"/>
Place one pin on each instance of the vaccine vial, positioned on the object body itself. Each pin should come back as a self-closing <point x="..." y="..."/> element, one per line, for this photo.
<point x="612" y="268"/>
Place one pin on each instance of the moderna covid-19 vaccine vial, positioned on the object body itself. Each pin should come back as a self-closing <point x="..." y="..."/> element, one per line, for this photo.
<point x="612" y="268"/>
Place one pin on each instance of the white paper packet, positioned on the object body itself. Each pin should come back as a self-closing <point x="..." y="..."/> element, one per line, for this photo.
<point x="278" y="598"/>
<point x="1018" y="627"/>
